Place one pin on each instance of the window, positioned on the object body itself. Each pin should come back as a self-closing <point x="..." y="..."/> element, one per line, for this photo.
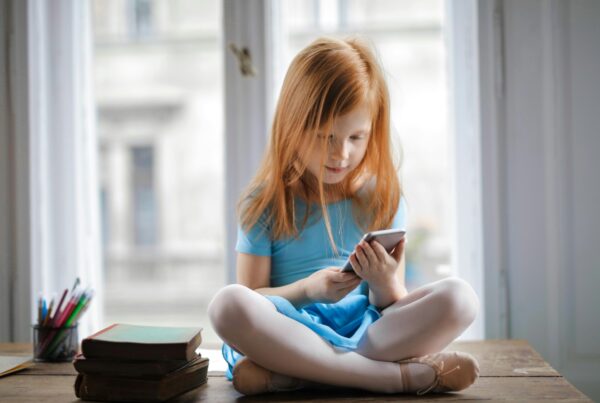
<point x="158" y="86"/>
<point x="408" y="37"/>
<point x="140" y="18"/>
<point x="137" y="105"/>
<point x="159" y="82"/>
<point x="144" y="196"/>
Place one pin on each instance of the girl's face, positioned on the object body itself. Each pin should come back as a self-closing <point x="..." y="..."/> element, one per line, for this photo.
<point x="347" y="145"/>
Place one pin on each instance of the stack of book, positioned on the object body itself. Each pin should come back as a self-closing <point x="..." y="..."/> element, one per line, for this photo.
<point x="139" y="363"/>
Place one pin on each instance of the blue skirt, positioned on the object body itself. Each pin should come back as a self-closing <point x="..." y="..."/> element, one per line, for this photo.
<point x="342" y="324"/>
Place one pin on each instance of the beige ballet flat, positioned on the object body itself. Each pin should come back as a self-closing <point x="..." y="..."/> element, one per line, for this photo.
<point x="250" y="378"/>
<point x="454" y="371"/>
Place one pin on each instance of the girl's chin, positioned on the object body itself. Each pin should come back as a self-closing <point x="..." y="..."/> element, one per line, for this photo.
<point x="333" y="180"/>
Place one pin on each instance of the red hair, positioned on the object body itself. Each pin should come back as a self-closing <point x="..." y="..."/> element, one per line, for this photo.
<point x="327" y="79"/>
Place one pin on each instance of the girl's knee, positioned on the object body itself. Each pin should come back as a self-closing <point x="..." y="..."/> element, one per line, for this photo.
<point x="229" y="308"/>
<point x="458" y="301"/>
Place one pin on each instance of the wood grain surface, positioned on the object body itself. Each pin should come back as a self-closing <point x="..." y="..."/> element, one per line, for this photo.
<point x="511" y="370"/>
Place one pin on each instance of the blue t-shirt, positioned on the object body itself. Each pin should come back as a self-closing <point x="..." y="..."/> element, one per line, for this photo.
<point x="295" y="258"/>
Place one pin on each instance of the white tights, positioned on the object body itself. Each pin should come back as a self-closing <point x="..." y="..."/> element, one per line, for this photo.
<point x="425" y="321"/>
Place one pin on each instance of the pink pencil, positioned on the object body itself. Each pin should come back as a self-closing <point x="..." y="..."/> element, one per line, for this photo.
<point x="67" y="311"/>
<point x="57" y="312"/>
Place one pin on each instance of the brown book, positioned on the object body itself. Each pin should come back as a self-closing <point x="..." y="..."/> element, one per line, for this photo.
<point x="120" y="389"/>
<point x="143" y="343"/>
<point x="129" y="368"/>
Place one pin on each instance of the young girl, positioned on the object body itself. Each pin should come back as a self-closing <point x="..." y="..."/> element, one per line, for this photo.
<point x="328" y="176"/>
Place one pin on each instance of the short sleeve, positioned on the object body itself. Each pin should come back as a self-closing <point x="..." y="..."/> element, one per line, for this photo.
<point x="399" y="221"/>
<point x="256" y="241"/>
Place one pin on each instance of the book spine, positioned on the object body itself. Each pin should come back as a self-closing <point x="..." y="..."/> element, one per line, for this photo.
<point x="133" y="351"/>
<point x="114" y="389"/>
<point x="141" y="369"/>
<point x="107" y="389"/>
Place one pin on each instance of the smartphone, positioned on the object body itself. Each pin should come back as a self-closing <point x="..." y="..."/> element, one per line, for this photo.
<point x="388" y="238"/>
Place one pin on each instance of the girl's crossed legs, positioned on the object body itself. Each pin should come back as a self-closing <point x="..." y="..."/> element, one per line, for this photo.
<point x="423" y="322"/>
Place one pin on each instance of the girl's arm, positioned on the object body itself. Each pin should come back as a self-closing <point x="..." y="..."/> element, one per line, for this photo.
<point x="254" y="272"/>
<point x="325" y="285"/>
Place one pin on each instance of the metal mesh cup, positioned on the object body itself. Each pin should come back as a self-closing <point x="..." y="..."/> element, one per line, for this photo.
<point x="55" y="344"/>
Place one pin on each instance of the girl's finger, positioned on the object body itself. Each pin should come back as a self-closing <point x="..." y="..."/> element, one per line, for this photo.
<point x="341" y="277"/>
<point x="344" y="277"/>
<point x="362" y="258"/>
<point x="350" y="286"/>
<point x="379" y="251"/>
<point x="399" y="250"/>
<point x="358" y="269"/>
<point x="355" y="264"/>
<point x="371" y="255"/>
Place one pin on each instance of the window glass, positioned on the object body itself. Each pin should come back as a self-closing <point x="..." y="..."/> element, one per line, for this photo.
<point x="158" y="70"/>
<point x="144" y="196"/>
<point x="408" y="37"/>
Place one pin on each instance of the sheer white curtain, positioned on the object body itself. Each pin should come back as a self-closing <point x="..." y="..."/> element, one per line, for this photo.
<point x="52" y="198"/>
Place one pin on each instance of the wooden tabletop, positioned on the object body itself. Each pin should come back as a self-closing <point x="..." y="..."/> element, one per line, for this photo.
<point x="510" y="370"/>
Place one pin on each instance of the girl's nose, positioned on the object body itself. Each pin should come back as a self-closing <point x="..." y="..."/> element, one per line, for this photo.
<point x="340" y="150"/>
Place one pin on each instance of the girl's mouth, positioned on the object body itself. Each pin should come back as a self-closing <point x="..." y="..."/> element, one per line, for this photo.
<point x="335" y="170"/>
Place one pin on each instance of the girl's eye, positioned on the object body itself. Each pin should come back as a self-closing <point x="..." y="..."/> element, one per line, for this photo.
<point x="356" y="137"/>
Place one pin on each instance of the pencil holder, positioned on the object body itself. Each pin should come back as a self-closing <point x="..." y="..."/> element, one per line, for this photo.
<point x="56" y="344"/>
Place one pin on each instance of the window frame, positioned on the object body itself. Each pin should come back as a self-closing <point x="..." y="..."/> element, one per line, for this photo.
<point x="474" y="37"/>
<point x="248" y="102"/>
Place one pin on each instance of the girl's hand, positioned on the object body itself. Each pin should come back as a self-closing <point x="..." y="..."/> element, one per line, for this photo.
<point x="372" y="263"/>
<point x="329" y="285"/>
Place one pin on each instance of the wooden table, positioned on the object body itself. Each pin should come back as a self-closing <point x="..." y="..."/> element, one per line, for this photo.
<point x="510" y="370"/>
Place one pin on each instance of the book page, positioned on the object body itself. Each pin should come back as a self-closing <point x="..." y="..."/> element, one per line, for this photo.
<point x="10" y="364"/>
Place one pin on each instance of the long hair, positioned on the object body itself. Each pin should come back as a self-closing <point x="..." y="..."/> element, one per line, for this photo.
<point x="327" y="79"/>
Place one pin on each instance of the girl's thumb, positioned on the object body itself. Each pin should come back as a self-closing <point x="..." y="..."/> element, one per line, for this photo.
<point x="397" y="253"/>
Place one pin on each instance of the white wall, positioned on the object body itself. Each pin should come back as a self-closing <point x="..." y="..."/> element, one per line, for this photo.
<point x="550" y="193"/>
<point x="5" y="238"/>
<point x="526" y="123"/>
<point x="15" y="317"/>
